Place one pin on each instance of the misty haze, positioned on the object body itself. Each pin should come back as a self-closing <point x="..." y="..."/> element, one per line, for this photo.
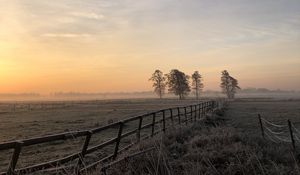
<point x="160" y="87"/>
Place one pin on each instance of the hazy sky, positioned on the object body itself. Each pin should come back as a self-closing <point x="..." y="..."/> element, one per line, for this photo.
<point x="115" y="45"/>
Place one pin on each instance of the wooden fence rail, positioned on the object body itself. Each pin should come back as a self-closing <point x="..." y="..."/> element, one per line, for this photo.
<point x="193" y="111"/>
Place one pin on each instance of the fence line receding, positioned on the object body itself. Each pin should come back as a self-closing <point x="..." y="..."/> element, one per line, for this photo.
<point x="165" y="119"/>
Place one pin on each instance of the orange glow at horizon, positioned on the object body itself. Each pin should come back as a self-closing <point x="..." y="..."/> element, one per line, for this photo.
<point x="50" y="47"/>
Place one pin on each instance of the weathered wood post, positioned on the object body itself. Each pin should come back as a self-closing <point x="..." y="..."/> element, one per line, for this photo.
<point x="207" y="106"/>
<point x="261" y="126"/>
<point x="164" y="121"/>
<point x="185" y="114"/>
<point x="138" y="133"/>
<point x="192" y="112"/>
<point x="83" y="151"/>
<point x="171" y="114"/>
<point x="203" y="109"/>
<point x="121" y="124"/>
<point x="153" y="124"/>
<point x="291" y="134"/>
<point x="196" y="112"/>
<point x="204" y="103"/>
<point x="14" y="159"/>
<point x="179" y="119"/>
<point x="199" y="111"/>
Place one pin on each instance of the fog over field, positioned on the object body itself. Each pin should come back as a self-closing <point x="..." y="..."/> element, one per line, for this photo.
<point x="69" y="96"/>
<point x="143" y="87"/>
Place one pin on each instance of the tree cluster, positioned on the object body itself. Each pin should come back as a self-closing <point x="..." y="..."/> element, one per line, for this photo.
<point x="177" y="82"/>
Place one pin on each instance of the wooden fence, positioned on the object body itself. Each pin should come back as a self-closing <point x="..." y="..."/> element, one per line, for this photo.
<point x="176" y="116"/>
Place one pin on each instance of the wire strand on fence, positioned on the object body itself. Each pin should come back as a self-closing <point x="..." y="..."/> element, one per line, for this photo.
<point x="274" y="132"/>
<point x="298" y="132"/>
<point x="283" y="139"/>
<point x="287" y="139"/>
<point x="276" y="135"/>
<point x="270" y="138"/>
<point x="272" y="124"/>
<point x="297" y="138"/>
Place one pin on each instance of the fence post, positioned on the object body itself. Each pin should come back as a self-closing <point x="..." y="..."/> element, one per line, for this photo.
<point x="195" y="111"/>
<point x="185" y="114"/>
<point x="292" y="135"/>
<point x="164" y="121"/>
<point x="178" y="111"/>
<point x="153" y="124"/>
<point x="83" y="151"/>
<point x="261" y="126"/>
<point x="199" y="111"/>
<point x="203" y="109"/>
<point x="192" y="112"/>
<point x="118" y="140"/>
<point x="138" y="134"/>
<point x="14" y="159"/>
<point x="207" y="107"/>
<point x="171" y="114"/>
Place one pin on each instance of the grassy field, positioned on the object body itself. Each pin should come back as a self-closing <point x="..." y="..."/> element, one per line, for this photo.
<point x="26" y="120"/>
<point x="221" y="144"/>
<point x="244" y="113"/>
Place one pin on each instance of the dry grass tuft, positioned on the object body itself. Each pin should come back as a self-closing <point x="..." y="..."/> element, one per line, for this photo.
<point x="210" y="147"/>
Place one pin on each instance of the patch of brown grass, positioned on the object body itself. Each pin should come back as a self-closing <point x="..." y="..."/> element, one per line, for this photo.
<point x="210" y="147"/>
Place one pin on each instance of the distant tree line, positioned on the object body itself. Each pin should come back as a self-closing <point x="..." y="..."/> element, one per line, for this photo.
<point x="178" y="83"/>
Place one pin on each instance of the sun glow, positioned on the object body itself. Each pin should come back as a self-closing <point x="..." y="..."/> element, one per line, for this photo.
<point x="50" y="46"/>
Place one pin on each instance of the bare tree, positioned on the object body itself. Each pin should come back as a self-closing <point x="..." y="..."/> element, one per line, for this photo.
<point x="197" y="83"/>
<point x="229" y="84"/>
<point x="159" y="84"/>
<point x="178" y="83"/>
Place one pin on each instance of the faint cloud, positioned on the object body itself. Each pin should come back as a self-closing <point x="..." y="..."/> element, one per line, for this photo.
<point x="65" y="35"/>
<point x="66" y="20"/>
<point x="88" y="15"/>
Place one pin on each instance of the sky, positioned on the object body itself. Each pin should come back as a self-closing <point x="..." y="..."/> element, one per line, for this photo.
<point x="113" y="46"/>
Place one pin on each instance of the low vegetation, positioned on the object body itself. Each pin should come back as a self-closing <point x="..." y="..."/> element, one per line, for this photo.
<point x="210" y="146"/>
